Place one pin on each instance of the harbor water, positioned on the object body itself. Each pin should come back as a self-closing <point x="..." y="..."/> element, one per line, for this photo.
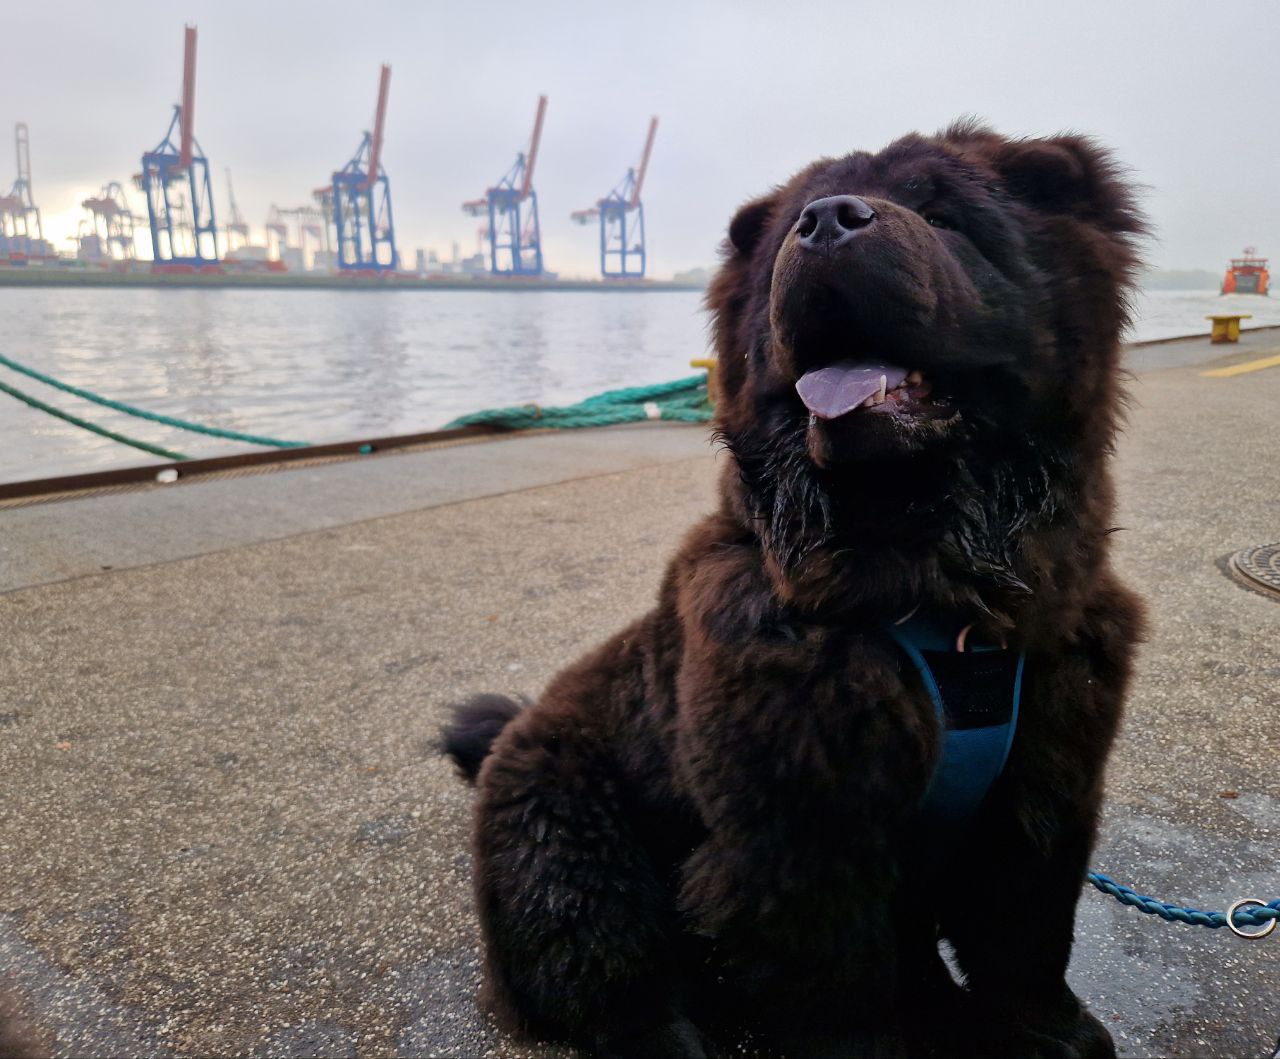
<point x="321" y="366"/>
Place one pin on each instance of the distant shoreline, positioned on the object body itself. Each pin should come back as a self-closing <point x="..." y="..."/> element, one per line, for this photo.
<point x="82" y="277"/>
<point x="1193" y="279"/>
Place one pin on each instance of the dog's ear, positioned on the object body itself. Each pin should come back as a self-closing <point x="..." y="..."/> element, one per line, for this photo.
<point x="1071" y="175"/>
<point x="1047" y="173"/>
<point x="749" y="223"/>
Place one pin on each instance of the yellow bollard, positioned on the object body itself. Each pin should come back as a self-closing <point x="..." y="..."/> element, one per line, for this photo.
<point x="710" y="364"/>
<point x="1226" y="328"/>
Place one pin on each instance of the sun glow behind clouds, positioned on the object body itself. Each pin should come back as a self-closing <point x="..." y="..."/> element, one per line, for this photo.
<point x="62" y="227"/>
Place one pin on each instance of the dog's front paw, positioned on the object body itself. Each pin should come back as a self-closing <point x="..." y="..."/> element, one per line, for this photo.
<point x="1074" y="1035"/>
<point x="677" y="1038"/>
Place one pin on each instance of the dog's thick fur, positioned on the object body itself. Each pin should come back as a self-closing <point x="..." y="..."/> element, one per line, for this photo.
<point x="20" y="1037"/>
<point x="707" y="827"/>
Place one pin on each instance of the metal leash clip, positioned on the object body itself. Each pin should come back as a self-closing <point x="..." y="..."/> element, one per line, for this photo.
<point x="1240" y="933"/>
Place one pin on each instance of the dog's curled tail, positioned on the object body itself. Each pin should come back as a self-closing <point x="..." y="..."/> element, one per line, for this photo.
<point x="469" y="737"/>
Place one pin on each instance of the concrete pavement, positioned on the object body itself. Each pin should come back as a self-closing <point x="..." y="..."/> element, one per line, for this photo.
<point x="224" y="827"/>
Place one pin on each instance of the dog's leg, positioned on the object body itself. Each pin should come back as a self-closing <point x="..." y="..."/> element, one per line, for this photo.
<point x="1015" y="958"/>
<point x="580" y="929"/>
<point x="806" y="938"/>
<point x="1036" y="837"/>
<point x="805" y="777"/>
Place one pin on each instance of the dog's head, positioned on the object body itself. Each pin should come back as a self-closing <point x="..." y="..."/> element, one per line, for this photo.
<point x="885" y="320"/>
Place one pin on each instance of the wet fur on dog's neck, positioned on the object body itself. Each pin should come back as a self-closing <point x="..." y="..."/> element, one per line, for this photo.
<point x="951" y="527"/>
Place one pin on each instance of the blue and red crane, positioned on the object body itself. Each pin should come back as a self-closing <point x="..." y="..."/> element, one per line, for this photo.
<point x="175" y="180"/>
<point x="515" y="237"/>
<point x="359" y="201"/>
<point x="621" y="216"/>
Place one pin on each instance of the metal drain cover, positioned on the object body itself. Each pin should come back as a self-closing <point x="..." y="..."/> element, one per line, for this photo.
<point x="1258" y="568"/>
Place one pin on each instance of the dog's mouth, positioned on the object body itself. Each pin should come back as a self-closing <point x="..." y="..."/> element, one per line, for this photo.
<point x="849" y="387"/>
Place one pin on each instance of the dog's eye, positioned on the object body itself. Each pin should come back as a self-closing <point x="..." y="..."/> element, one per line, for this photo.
<point x="937" y="216"/>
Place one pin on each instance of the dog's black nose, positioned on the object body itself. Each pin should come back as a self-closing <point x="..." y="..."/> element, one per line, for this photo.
<point x="831" y="222"/>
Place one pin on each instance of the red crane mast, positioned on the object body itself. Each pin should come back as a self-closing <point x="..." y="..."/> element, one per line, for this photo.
<point x="379" y="121"/>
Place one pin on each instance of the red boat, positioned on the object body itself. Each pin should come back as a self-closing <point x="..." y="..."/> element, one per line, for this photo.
<point x="1247" y="275"/>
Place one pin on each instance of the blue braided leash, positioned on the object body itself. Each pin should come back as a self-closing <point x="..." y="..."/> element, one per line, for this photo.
<point x="1259" y="915"/>
<point x="973" y="756"/>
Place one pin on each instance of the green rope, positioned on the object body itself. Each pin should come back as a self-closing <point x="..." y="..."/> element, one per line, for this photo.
<point x="684" y="400"/>
<point x="144" y="446"/>
<point x="155" y="417"/>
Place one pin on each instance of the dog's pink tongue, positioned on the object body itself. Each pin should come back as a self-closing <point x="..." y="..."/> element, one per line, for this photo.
<point x="832" y="391"/>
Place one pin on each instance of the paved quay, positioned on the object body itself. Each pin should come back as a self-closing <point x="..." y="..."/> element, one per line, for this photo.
<point x="224" y="828"/>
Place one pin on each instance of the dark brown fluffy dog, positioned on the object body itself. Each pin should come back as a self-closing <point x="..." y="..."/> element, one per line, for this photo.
<point x="708" y="828"/>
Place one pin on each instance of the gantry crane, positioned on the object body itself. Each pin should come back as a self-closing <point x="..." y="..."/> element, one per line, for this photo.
<point x="360" y="201"/>
<point x="515" y="238"/>
<point x="21" y="231"/>
<point x="277" y="229"/>
<point x="309" y="231"/>
<point x="110" y="234"/>
<point x="175" y="180"/>
<point x="313" y="235"/>
<point x="324" y="203"/>
<point x="237" y="226"/>
<point x="621" y="216"/>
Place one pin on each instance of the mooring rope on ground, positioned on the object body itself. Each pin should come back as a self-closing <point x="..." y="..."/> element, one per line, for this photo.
<point x="140" y="413"/>
<point x="1259" y="915"/>
<point x="155" y="450"/>
<point x="683" y="400"/>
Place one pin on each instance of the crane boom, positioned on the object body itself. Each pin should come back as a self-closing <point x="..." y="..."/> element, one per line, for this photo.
<point x="236" y="219"/>
<point x="644" y="161"/>
<point x="379" y="119"/>
<point x="22" y="148"/>
<point x="188" y="97"/>
<point x="533" y="147"/>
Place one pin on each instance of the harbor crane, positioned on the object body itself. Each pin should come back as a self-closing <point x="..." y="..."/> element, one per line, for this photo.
<point x="110" y="234"/>
<point x="621" y="217"/>
<point x="360" y="201"/>
<point x="237" y="227"/>
<point x="175" y="180"/>
<point x="310" y="243"/>
<point x="515" y="238"/>
<point x="277" y="229"/>
<point x="313" y="235"/>
<point x="21" y="231"/>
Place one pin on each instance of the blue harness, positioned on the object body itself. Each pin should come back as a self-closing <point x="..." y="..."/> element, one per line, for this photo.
<point x="975" y="690"/>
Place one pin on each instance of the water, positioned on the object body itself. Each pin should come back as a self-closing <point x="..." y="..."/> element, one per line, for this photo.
<point x="324" y="366"/>
<point x="317" y="365"/>
<point x="1169" y="313"/>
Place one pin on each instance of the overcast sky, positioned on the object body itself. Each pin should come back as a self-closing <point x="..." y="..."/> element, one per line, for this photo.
<point x="745" y="92"/>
